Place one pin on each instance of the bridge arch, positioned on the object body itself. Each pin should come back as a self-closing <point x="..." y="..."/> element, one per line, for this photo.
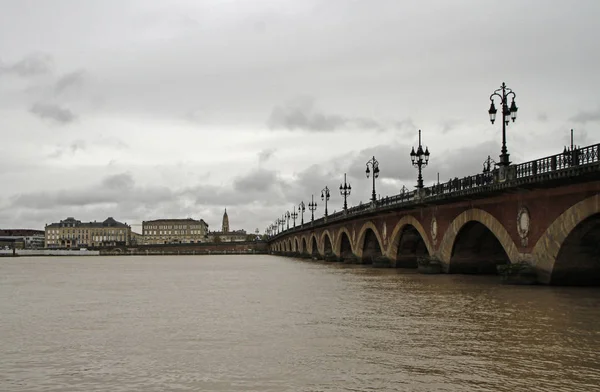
<point x="337" y="244"/>
<point x="397" y="234"/>
<point x="343" y="247"/>
<point x="304" y="246"/>
<point x="550" y="253"/>
<point x="326" y="242"/>
<point x="359" y="246"/>
<point x="296" y="245"/>
<point x="289" y="245"/>
<point x="314" y="245"/>
<point x="468" y="220"/>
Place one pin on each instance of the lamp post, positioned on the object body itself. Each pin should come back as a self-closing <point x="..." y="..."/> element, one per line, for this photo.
<point x="294" y="215"/>
<point x="301" y="208"/>
<point x="507" y="114"/>
<point x="312" y="206"/>
<point x="488" y="165"/>
<point x="419" y="159"/>
<point x="282" y="221"/>
<point x="287" y="218"/>
<point x="325" y="196"/>
<point x="403" y="191"/>
<point x="345" y="190"/>
<point x="570" y="153"/>
<point x="375" y="167"/>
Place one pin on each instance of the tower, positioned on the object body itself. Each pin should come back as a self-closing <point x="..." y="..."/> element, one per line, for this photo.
<point x="225" y="228"/>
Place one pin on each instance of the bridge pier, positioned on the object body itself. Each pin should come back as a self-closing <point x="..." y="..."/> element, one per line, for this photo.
<point x="474" y="265"/>
<point x="405" y="261"/>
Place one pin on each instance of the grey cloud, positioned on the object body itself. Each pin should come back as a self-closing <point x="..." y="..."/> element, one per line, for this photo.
<point x="112" y="190"/>
<point x="259" y="180"/>
<point x="542" y="117"/>
<point x="449" y="125"/>
<point x="74" y="147"/>
<point x="32" y="65"/>
<point x="69" y="81"/>
<point x="123" y="181"/>
<point x="406" y="124"/>
<point x="302" y="114"/>
<point x="586" y="116"/>
<point x="265" y="155"/>
<point x="53" y="112"/>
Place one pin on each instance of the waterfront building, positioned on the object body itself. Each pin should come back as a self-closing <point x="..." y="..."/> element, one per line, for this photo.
<point x="174" y="231"/>
<point x="72" y="233"/>
<point x="136" y="239"/>
<point x="22" y="238"/>
<point x="226" y="235"/>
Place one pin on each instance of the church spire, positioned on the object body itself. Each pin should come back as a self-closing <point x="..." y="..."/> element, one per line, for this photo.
<point x="225" y="228"/>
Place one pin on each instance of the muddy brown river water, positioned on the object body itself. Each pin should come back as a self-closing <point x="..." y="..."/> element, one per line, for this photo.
<point x="267" y="323"/>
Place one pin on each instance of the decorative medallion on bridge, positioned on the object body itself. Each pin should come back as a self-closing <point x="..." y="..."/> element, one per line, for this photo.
<point x="523" y="223"/>
<point x="434" y="229"/>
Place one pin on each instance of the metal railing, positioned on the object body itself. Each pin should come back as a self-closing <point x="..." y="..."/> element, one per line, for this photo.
<point x="487" y="181"/>
<point x="568" y="159"/>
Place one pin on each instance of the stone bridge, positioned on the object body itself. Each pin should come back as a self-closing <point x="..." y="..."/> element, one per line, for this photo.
<point x="545" y="214"/>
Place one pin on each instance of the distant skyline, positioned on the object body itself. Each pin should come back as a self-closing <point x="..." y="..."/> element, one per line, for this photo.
<point x="143" y="110"/>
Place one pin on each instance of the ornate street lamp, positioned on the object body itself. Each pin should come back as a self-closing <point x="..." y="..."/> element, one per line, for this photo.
<point x="507" y="114"/>
<point x="345" y="190"/>
<point x="325" y="196"/>
<point x="287" y="218"/>
<point x="375" y="167"/>
<point x="488" y="165"/>
<point x="403" y="191"/>
<point x="312" y="206"/>
<point x="570" y="153"/>
<point x="294" y="215"/>
<point x="301" y="208"/>
<point x="419" y="159"/>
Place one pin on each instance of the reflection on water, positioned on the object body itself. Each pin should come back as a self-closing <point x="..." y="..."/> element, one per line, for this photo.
<point x="264" y="323"/>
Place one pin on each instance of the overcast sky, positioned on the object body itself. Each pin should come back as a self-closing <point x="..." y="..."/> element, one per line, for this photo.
<point x="148" y="109"/>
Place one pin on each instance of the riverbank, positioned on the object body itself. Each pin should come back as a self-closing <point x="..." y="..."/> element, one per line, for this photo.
<point x="48" y="252"/>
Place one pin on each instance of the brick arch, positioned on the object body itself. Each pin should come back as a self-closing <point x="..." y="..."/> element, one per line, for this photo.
<point x="309" y="243"/>
<point x="295" y="244"/>
<point x="304" y="239"/>
<point x="290" y="245"/>
<point x="486" y="219"/>
<point x="322" y="240"/>
<point x="546" y="249"/>
<point x="394" y="238"/>
<point x="337" y="245"/>
<point x="358" y="250"/>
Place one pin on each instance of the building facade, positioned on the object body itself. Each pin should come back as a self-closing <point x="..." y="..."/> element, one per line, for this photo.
<point x="174" y="231"/>
<point x="72" y="233"/>
<point x="22" y="238"/>
<point x="226" y="235"/>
